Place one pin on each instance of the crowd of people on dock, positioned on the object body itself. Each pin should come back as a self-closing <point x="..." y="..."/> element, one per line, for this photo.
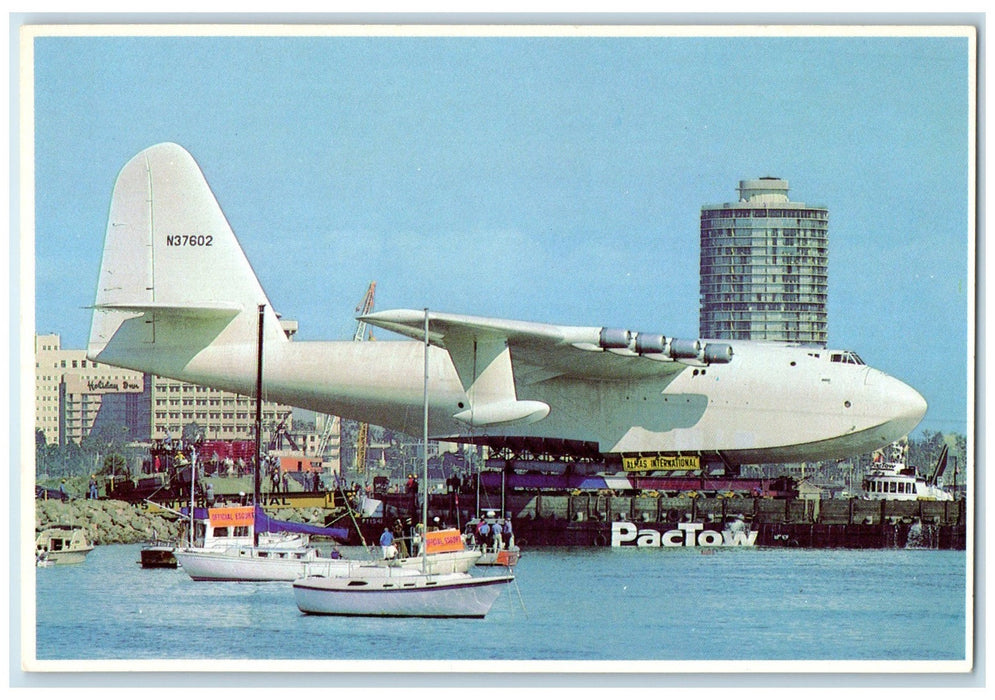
<point x="488" y="533"/>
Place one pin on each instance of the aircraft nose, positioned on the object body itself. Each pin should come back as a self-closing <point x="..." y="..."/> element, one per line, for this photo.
<point x="906" y="406"/>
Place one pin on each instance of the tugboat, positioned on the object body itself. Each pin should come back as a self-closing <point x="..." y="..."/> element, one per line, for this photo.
<point x="894" y="481"/>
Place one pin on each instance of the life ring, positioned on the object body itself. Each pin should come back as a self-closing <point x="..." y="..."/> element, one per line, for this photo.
<point x="600" y="540"/>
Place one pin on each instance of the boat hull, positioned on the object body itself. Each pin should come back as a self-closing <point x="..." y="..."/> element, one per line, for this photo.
<point x="443" y="562"/>
<point x="158" y="556"/>
<point x="250" y="563"/>
<point x="284" y="564"/>
<point x="501" y="557"/>
<point x="450" y="595"/>
<point x="68" y="556"/>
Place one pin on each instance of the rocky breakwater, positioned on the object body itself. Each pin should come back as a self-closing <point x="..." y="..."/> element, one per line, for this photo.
<point x="108" y="521"/>
<point x="119" y="522"/>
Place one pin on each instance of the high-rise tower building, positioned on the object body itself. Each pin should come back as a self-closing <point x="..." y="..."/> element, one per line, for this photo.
<point x="763" y="267"/>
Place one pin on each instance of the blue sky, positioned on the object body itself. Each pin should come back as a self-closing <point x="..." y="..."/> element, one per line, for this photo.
<point x="544" y="179"/>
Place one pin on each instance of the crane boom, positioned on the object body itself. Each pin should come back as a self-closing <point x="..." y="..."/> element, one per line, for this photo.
<point x="364" y="307"/>
<point x="362" y="437"/>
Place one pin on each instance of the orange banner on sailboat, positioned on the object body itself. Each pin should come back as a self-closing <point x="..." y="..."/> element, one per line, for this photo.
<point x="443" y="541"/>
<point x="232" y="517"/>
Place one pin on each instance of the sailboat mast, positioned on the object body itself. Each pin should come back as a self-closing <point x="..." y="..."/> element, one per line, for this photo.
<point x="259" y="420"/>
<point x="424" y="519"/>
<point x="193" y="476"/>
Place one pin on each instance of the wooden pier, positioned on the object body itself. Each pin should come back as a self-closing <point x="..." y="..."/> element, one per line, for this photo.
<point x="585" y="519"/>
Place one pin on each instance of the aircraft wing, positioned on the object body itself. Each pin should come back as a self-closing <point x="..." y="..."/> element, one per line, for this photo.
<point x="539" y="351"/>
<point x="492" y="355"/>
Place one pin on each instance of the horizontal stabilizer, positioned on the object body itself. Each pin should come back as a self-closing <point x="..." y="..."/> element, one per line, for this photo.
<point x="203" y="311"/>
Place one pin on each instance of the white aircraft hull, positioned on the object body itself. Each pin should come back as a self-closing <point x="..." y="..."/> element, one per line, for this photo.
<point x="178" y="298"/>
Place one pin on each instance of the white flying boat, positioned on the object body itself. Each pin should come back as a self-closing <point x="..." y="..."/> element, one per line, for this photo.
<point x="178" y="298"/>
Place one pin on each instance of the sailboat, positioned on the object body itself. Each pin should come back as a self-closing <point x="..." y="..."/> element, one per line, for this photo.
<point x="217" y="530"/>
<point x="236" y="548"/>
<point x="379" y="591"/>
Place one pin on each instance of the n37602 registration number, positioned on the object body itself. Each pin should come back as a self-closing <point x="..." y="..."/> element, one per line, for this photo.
<point x="187" y="240"/>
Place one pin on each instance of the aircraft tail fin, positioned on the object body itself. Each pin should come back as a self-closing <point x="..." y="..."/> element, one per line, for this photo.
<point x="173" y="278"/>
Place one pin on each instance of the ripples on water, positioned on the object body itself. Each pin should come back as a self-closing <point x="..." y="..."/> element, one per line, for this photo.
<point x="580" y="603"/>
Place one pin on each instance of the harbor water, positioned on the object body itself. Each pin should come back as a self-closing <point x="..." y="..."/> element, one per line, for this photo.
<point x="569" y="604"/>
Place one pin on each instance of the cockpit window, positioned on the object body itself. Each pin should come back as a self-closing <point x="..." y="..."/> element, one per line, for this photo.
<point x="846" y="357"/>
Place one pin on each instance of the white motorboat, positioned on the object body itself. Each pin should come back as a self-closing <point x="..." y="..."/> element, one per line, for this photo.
<point x="61" y="544"/>
<point x="380" y="591"/>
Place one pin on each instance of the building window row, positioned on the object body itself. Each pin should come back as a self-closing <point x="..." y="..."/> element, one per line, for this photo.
<point x="818" y="214"/>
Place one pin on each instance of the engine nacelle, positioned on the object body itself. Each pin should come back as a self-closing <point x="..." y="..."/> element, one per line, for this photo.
<point x="684" y="349"/>
<point x="659" y="344"/>
<point x="613" y="338"/>
<point x="650" y="342"/>
<point x="718" y="353"/>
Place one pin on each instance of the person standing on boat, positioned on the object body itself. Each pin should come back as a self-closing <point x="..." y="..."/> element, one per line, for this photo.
<point x="483" y="534"/>
<point x="509" y="536"/>
<point x="387" y="543"/>
<point x="416" y="539"/>
<point x="399" y="538"/>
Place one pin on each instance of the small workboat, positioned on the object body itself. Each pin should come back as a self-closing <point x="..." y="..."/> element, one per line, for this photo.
<point x="500" y="557"/>
<point x="498" y="548"/>
<point x="158" y="555"/>
<point x="61" y="544"/>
